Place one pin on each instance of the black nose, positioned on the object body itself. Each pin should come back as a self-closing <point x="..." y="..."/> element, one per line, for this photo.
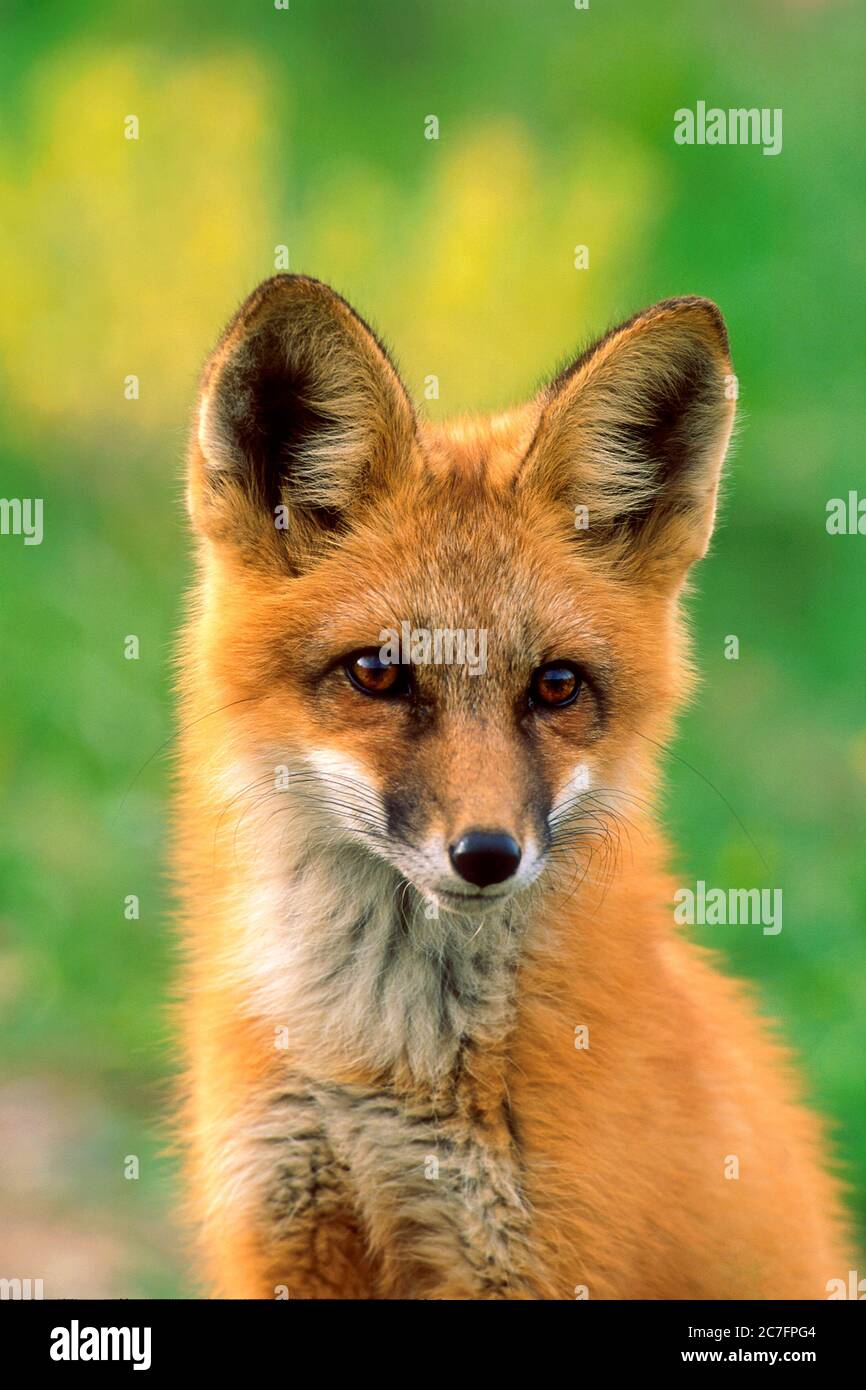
<point x="483" y="857"/>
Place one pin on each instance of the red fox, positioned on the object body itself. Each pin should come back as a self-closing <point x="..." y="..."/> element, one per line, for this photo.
<point x="443" y="1036"/>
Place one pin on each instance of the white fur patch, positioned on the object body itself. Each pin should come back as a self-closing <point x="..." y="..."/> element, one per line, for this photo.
<point x="579" y="781"/>
<point x="329" y="763"/>
<point x="202" y="423"/>
<point x="335" y="946"/>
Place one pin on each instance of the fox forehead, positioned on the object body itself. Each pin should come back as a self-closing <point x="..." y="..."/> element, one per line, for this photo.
<point x="479" y="447"/>
<point x="464" y="558"/>
<point x="456" y="546"/>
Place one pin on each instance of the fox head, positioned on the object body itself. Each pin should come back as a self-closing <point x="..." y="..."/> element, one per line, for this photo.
<point x="461" y="642"/>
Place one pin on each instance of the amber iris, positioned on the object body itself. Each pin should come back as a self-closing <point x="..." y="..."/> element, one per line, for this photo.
<point x="555" y="685"/>
<point x="373" y="676"/>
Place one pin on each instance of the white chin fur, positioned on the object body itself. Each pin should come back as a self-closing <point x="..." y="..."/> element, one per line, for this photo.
<point x="338" y="951"/>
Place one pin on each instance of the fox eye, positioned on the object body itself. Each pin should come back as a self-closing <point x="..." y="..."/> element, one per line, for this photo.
<point x="555" y="685"/>
<point x="373" y="676"/>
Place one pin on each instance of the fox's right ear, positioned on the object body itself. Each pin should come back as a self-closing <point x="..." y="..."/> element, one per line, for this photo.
<point x="301" y="418"/>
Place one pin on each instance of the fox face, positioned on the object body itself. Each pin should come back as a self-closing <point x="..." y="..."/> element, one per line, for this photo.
<point x="463" y="637"/>
<point x="459" y="643"/>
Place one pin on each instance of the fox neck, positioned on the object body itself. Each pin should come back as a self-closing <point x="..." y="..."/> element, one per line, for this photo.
<point x="351" y="960"/>
<point x="334" y="951"/>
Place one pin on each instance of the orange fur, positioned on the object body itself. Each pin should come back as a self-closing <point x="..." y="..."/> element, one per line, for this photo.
<point x="559" y="1169"/>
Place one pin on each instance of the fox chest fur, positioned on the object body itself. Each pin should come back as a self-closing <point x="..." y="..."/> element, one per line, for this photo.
<point x="418" y="1168"/>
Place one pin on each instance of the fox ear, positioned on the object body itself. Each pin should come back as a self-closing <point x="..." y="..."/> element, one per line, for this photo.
<point x="301" y="417"/>
<point x="632" y="437"/>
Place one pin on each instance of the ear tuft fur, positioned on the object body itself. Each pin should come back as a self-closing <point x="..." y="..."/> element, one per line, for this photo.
<point x="635" y="430"/>
<point x="301" y="412"/>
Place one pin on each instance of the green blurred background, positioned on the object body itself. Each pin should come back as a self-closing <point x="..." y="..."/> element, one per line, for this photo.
<point x="305" y="128"/>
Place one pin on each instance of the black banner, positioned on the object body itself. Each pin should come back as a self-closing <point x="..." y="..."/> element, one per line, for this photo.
<point x="77" y="1338"/>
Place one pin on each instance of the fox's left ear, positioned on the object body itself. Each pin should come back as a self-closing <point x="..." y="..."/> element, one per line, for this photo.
<point x="301" y="419"/>
<point x="632" y="437"/>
